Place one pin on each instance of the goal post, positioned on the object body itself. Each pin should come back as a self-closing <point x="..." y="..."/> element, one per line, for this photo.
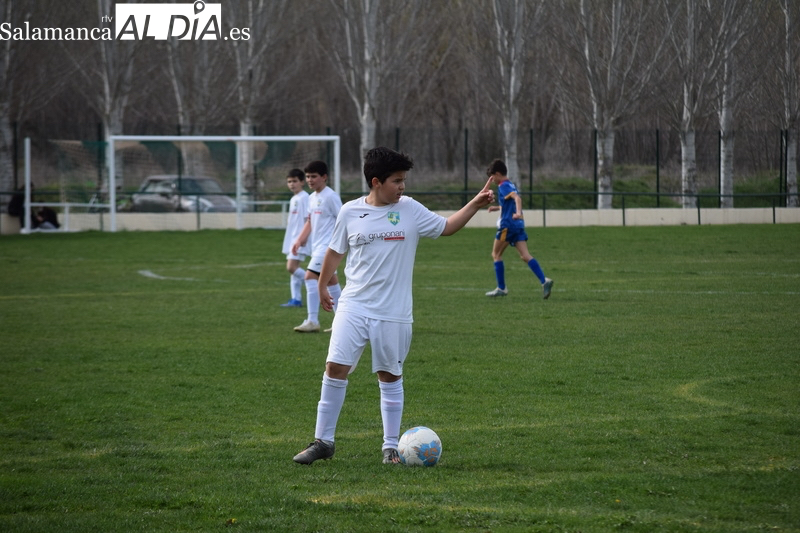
<point x="249" y="152"/>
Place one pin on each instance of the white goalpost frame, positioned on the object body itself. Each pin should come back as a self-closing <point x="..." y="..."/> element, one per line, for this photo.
<point x="26" y="224"/>
<point x="112" y="179"/>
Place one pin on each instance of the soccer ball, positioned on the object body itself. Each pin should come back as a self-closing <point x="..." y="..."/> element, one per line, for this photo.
<point x="420" y="446"/>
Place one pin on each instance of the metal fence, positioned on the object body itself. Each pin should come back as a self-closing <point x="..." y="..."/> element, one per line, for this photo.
<point x="557" y="168"/>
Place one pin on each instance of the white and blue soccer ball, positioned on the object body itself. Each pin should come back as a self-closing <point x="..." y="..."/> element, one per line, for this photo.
<point x="420" y="446"/>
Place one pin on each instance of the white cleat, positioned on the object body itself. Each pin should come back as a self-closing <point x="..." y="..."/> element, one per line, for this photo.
<point x="308" y="327"/>
<point x="498" y="292"/>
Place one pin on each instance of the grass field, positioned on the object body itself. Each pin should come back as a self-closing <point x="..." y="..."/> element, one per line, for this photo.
<point x="150" y="382"/>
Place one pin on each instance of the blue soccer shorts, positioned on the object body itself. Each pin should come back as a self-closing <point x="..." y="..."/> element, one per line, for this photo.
<point x="511" y="235"/>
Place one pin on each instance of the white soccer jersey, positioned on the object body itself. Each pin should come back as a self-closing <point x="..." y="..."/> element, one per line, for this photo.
<point x="323" y="208"/>
<point x="381" y="243"/>
<point x="298" y="211"/>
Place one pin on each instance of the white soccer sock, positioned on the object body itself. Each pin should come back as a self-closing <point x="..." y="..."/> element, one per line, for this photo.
<point x="335" y="291"/>
<point x="392" y="399"/>
<point x="331" y="399"/>
<point x="296" y="284"/>
<point x="312" y="299"/>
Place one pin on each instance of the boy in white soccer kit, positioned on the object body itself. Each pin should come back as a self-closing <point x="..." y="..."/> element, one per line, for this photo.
<point x="323" y="207"/>
<point x="298" y="212"/>
<point x="379" y="233"/>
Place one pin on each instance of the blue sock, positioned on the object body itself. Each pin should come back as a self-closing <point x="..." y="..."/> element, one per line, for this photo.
<point x="499" y="271"/>
<point x="534" y="264"/>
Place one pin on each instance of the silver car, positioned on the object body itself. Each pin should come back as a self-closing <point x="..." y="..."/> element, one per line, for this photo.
<point x="170" y="192"/>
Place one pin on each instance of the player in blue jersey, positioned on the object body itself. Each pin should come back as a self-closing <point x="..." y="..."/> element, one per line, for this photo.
<point x="511" y="231"/>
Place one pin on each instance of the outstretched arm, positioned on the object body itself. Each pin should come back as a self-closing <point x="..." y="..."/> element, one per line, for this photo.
<point x="459" y="219"/>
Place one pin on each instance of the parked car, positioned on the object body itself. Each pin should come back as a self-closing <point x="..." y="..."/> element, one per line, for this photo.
<point x="170" y="192"/>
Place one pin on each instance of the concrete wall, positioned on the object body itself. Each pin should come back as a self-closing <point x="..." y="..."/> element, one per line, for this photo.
<point x="644" y="217"/>
<point x="484" y="219"/>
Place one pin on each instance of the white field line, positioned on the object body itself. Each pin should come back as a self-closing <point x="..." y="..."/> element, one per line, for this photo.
<point x="150" y="274"/>
<point x="634" y="291"/>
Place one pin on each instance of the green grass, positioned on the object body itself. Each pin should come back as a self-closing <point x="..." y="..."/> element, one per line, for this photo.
<point x="657" y="390"/>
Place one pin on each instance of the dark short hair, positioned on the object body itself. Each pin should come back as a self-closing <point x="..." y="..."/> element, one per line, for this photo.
<point x="497" y="166"/>
<point x="296" y="173"/>
<point x="317" y="167"/>
<point x="382" y="162"/>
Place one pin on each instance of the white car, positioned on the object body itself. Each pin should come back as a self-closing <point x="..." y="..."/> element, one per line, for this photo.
<point x="170" y="192"/>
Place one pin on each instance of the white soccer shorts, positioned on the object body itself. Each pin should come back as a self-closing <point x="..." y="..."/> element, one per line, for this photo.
<point x="390" y="342"/>
<point x="315" y="264"/>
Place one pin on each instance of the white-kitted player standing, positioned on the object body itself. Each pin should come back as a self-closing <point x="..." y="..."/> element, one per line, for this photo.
<point x="379" y="233"/>
<point x="298" y="213"/>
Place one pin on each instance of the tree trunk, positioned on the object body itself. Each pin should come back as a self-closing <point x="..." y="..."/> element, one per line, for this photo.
<point x="791" y="168"/>
<point x="368" y="126"/>
<point x="6" y="131"/>
<point x="246" y="155"/>
<point x="791" y="115"/>
<point x="510" y="129"/>
<point x="6" y="150"/>
<point x="511" y="26"/>
<point x="727" y="136"/>
<point x="605" y="167"/>
<point x="688" y="169"/>
<point x="727" y="141"/>
<point x="112" y="121"/>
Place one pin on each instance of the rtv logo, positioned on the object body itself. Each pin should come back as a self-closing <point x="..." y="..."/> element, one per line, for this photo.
<point x="197" y="22"/>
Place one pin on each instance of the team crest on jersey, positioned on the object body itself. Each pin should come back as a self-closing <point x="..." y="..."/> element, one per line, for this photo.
<point x="394" y="217"/>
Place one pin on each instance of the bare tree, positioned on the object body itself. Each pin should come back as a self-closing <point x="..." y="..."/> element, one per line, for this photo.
<point x="693" y="90"/>
<point x="704" y="41"/>
<point x="514" y="26"/>
<point x="28" y="82"/>
<point x="737" y="21"/>
<point x="259" y="71"/>
<point x="105" y="71"/>
<point x="9" y="70"/>
<point x="619" y="48"/>
<point x="198" y="73"/>
<point x="377" y="46"/>
<point x="196" y="70"/>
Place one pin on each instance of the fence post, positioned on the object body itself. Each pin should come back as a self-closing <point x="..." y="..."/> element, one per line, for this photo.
<point x="101" y="149"/>
<point x="697" y="202"/>
<point x="530" y="171"/>
<point x="773" y="210"/>
<point x="783" y="165"/>
<point x="15" y="150"/>
<point x="658" y="168"/>
<point x="544" y="210"/>
<point x="623" y="210"/>
<point x="328" y="154"/>
<point x="466" y="163"/>
<point x="719" y="169"/>
<point x="594" y="152"/>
